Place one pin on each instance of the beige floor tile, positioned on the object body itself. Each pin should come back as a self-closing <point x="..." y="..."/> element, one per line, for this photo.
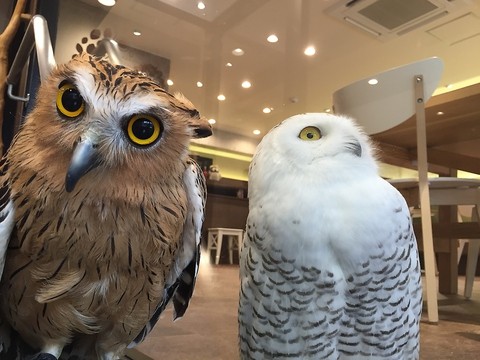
<point x="209" y="328"/>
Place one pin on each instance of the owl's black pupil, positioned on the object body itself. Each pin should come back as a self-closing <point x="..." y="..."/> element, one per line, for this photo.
<point x="72" y="100"/>
<point x="310" y="135"/>
<point x="143" y="128"/>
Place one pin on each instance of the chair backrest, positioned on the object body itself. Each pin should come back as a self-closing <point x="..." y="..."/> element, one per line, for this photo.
<point x="391" y="100"/>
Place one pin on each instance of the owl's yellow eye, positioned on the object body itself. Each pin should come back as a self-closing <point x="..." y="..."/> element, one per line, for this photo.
<point x="310" y="133"/>
<point x="69" y="101"/>
<point x="144" y="129"/>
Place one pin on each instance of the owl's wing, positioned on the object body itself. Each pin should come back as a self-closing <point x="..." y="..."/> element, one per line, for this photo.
<point x="181" y="282"/>
<point x="9" y="347"/>
<point x="189" y="257"/>
<point x="6" y="212"/>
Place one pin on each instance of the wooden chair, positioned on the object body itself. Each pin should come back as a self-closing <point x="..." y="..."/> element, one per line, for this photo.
<point x="215" y="241"/>
<point x="385" y="100"/>
<point x="469" y="214"/>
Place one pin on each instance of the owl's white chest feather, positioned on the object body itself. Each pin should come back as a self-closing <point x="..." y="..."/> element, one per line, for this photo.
<point x="319" y="222"/>
<point x="329" y="268"/>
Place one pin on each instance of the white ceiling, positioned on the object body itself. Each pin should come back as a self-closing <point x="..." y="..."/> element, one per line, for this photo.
<point x="199" y="44"/>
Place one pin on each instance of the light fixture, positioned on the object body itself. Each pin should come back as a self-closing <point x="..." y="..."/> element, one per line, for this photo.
<point x="373" y="82"/>
<point x="212" y="121"/>
<point x="238" y="52"/>
<point x="267" y="110"/>
<point x="327" y="110"/>
<point x="246" y="84"/>
<point x="137" y="33"/>
<point x="440" y="113"/>
<point x="169" y="82"/>
<point x="228" y="64"/>
<point x="272" y="38"/>
<point x="256" y="132"/>
<point x="199" y="84"/>
<point x="107" y="2"/>
<point x="201" y="5"/>
<point x="310" y="51"/>
<point x="221" y="97"/>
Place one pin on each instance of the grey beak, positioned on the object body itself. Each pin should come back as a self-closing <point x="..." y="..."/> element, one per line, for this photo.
<point x="84" y="158"/>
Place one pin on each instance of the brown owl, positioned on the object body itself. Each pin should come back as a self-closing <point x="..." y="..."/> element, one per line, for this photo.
<point x="101" y="212"/>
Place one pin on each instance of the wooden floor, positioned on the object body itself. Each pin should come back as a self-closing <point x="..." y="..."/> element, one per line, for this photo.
<point x="209" y="328"/>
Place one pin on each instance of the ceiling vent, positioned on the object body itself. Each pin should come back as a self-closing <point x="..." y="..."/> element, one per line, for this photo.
<point x="386" y="19"/>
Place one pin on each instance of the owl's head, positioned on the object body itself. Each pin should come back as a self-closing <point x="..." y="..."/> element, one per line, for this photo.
<point x="91" y="114"/>
<point x="315" y="145"/>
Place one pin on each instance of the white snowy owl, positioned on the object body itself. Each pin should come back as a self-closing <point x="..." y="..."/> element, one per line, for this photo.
<point x="329" y="267"/>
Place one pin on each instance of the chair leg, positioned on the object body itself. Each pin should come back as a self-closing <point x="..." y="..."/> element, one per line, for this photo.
<point x="461" y="246"/>
<point x="234" y="243"/>
<point x="461" y="242"/>
<point x="428" y="250"/>
<point x="210" y="244"/>
<point x="231" y="239"/>
<point x="472" y="258"/>
<point x="219" y="248"/>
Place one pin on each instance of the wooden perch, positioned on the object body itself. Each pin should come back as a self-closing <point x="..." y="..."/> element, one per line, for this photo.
<point x="5" y="40"/>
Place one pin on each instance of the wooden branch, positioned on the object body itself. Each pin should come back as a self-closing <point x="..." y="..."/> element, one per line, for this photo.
<point x="5" y="40"/>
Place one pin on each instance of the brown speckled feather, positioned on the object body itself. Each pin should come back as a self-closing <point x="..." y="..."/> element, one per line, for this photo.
<point x="96" y="260"/>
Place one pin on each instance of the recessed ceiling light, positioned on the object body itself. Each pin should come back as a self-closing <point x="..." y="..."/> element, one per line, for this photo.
<point x="246" y="84"/>
<point x="440" y="113"/>
<point x="212" y="121"/>
<point x="272" y="38"/>
<point x="199" y="84"/>
<point x="169" y="82"/>
<point x="107" y="2"/>
<point x="228" y="64"/>
<point x="256" y="132"/>
<point x="310" y="51"/>
<point x="201" y="5"/>
<point x="238" y="52"/>
<point x="267" y="110"/>
<point x="137" y="33"/>
<point x="373" y="81"/>
<point x="221" y="97"/>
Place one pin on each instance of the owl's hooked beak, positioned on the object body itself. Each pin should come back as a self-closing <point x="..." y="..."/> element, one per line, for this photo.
<point x="84" y="159"/>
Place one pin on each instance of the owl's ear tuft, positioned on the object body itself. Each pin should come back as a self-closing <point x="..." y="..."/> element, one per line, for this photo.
<point x="354" y="147"/>
<point x="200" y="125"/>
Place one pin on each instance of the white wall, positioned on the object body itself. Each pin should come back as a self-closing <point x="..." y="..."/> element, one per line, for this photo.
<point x="75" y="21"/>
